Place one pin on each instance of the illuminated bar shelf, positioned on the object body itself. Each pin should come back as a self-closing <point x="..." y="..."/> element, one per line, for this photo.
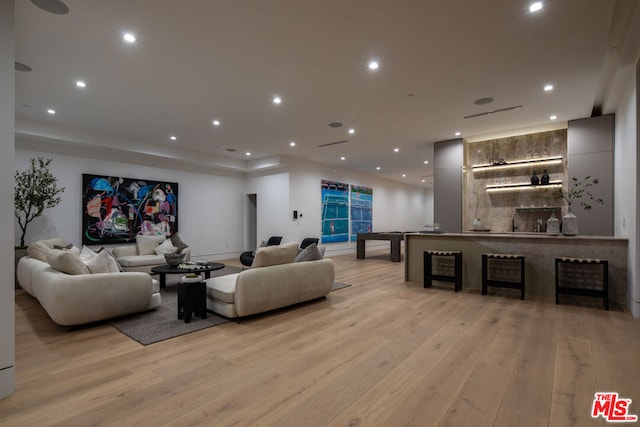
<point x="519" y="164"/>
<point x="523" y="186"/>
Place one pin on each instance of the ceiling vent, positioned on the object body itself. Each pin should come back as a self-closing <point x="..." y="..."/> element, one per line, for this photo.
<point x="499" y="110"/>
<point x="333" y="143"/>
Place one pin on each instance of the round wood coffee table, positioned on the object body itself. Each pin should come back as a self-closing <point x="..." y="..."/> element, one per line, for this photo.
<point x="163" y="270"/>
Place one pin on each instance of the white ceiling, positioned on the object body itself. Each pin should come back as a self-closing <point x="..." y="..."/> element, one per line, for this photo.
<point x="196" y="60"/>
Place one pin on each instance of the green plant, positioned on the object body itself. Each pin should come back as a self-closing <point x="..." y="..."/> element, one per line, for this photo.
<point x="577" y="190"/>
<point x="36" y="189"/>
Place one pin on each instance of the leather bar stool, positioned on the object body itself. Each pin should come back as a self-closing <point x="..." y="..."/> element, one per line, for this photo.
<point x="456" y="277"/>
<point x="504" y="281"/>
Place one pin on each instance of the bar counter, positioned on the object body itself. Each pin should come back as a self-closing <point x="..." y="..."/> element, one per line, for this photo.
<point x="539" y="249"/>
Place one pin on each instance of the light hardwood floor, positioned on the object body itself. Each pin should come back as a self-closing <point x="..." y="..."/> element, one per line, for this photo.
<point x="381" y="352"/>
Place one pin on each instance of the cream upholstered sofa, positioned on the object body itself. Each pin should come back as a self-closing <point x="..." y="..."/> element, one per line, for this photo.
<point x="149" y="251"/>
<point x="275" y="280"/>
<point x="81" y="291"/>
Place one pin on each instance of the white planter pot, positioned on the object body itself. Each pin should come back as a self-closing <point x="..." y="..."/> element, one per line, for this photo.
<point x="569" y="224"/>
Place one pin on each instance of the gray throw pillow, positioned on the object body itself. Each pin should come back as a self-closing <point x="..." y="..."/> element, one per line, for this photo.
<point x="178" y="242"/>
<point x="310" y="253"/>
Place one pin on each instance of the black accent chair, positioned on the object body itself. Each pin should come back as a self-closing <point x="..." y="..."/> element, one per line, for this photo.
<point x="246" y="258"/>
<point x="308" y="241"/>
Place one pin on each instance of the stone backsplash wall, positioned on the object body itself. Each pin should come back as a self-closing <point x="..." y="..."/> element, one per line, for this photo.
<point x="499" y="210"/>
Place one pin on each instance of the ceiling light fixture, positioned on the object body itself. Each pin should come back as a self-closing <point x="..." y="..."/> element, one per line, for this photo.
<point x="374" y="65"/>
<point x="553" y="117"/>
<point x="343" y="158"/>
<point x="292" y="144"/>
<point x="424" y="180"/>
<point x="534" y="7"/>
<point x="56" y="7"/>
<point x="458" y="133"/>
<point x="404" y="175"/>
<point x="378" y="168"/>
<point x="396" y="150"/>
<point x="81" y="84"/>
<point x="248" y="153"/>
<point x="548" y="87"/>
<point x="129" y="37"/>
<point x="173" y="137"/>
<point x="51" y="111"/>
<point x="426" y="162"/>
<point x="216" y="122"/>
<point x="277" y="100"/>
<point x="352" y="131"/>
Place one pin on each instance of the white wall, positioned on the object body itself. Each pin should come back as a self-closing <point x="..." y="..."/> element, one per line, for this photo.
<point x="210" y="217"/>
<point x="7" y="114"/>
<point x="272" y="201"/>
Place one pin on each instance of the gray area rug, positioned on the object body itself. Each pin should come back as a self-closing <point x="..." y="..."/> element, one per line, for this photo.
<point x="163" y="323"/>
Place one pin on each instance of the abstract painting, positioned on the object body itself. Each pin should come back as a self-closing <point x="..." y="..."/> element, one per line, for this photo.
<point x="361" y="210"/>
<point x="335" y="212"/>
<point x="116" y="210"/>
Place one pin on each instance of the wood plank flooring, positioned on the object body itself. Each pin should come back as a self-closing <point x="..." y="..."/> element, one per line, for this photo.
<point x="383" y="352"/>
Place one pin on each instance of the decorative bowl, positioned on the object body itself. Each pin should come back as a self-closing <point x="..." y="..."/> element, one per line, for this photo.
<point x="173" y="260"/>
<point x="191" y="278"/>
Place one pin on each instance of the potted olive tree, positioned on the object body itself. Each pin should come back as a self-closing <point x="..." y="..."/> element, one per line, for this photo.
<point x="36" y="189"/>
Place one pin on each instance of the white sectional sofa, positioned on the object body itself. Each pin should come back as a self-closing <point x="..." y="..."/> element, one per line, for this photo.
<point x="148" y="252"/>
<point x="275" y="280"/>
<point x="79" y="296"/>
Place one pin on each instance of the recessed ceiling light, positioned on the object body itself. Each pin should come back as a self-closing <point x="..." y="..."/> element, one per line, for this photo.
<point x="374" y="65"/>
<point x="534" y="7"/>
<point x="129" y="37"/>
<point x="483" y="101"/>
<point x="277" y="100"/>
<point x="51" y="111"/>
<point x="426" y="162"/>
<point x="424" y="180"/>
<point x="404" y="175"/>
<point x="173" y="137"/>
<point x="248" y="153"/>
<point x="52" y="6"/>
<point x="548" y="87"/>
<point x="352" y="131"/>
<point x="458" y="133"/>
<point x="19" y="66"/>
<point x="343" y="158"/>
<point x="378" y="168"/>
<point x="81" y="84"/>
<point x="292" y="144"/>
<point x="216" y="122"/>
<point x="553" y="117"/>
<point x="396" y="150"/>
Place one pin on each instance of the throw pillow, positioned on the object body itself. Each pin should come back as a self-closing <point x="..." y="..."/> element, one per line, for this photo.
<point x="146" y="244"/>
<point x="274" y="255"/>
<point x="165" y="247"/>
<point x="70" y="247"/>
<point x="87" y="254"/>
<point x="103" y="262"/>
<point x="39" y="250"/>
<point x="66" y="262"/>
<point x="310" y="253"/>
<point x="178" y="242"/>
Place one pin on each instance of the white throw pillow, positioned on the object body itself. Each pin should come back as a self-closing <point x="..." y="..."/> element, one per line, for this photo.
<point x="146" y="244"/>
<point x="39" y="250"/>
<point x="274" y="255"/>
<point x="103" y="262"/>
<point x="165" y="247"/>
<point x="66" y="262"/>
<point x="87" y="254"/>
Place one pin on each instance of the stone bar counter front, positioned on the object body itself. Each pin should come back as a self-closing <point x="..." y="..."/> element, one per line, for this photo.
<point x="539" y="249"/>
